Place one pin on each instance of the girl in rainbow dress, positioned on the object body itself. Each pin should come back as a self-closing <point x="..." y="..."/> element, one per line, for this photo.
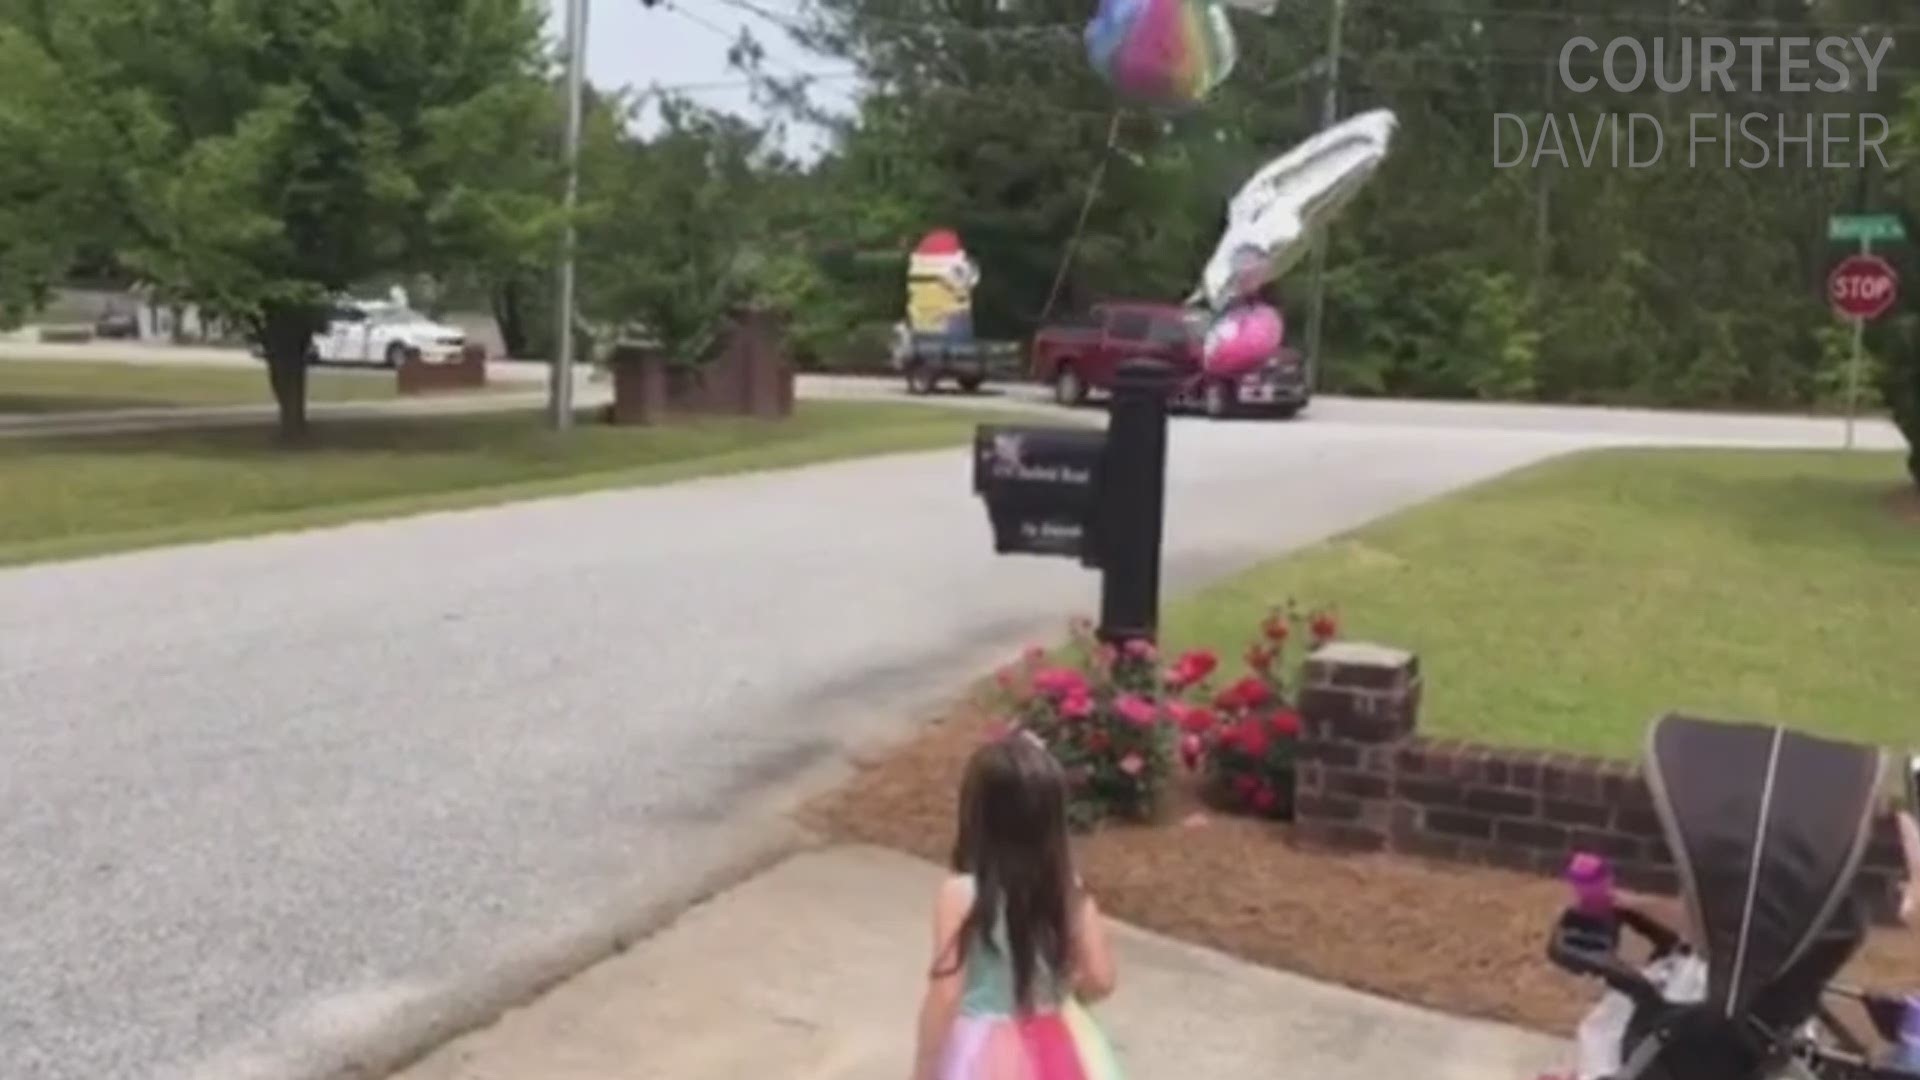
<point x="1019" y="945"/>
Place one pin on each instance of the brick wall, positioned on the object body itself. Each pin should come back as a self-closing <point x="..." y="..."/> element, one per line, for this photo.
<point x="418" y="376"/>
<point x="1368" y="781"/>
<point x="749" y="374"/>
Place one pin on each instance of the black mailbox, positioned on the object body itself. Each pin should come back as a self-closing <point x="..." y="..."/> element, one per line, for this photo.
<point x="1041" y="487"/>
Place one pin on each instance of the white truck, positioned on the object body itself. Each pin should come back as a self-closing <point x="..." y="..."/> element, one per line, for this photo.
<point x="383" y="332"/>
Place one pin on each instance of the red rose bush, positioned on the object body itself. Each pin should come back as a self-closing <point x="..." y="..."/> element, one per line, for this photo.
<point x="1118" y="721"/>
<point x="1245" y="749"/>
<point x="1102" y="713"/>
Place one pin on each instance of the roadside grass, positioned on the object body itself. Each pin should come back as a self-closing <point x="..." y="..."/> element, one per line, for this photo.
<point x="63" y="386"/>
<point x="68" y="497"/>
<point x="1567" y="605"/>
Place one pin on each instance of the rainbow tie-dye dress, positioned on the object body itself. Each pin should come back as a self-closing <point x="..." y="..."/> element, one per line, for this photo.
<point x="990" y="1040"/>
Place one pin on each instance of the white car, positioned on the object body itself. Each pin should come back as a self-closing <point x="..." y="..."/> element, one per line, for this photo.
<point x="384" y="332"/>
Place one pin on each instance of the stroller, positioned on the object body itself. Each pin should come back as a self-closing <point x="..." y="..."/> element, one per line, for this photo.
<point x="1767" y="828"/>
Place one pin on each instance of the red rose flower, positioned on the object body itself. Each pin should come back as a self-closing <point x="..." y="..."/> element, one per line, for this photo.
<point x="1076" y="705"/>
<point x="1059" y="682"/>
<point x="1190" y="750"/>
<point x="1196" y="719"/>
<point x="1261" y="657"/>
<point x="1275" y="628"/>
<point x="1252" y="737"/>
<point x="1193" y="666"/>
<point x="1137" y="710"/>
<point x="1286" y="724"/>
<point x="1249" y="693"/>
<point x="1325" y="627"/>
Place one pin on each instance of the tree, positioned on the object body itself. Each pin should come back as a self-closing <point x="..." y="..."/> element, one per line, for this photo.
<point x="669" y="229"/>
<point x="263" y="156"/>
<point x="48" y="206"/>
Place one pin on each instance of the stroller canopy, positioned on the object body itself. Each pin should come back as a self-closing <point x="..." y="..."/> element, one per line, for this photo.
<point x="1767" y="828"/>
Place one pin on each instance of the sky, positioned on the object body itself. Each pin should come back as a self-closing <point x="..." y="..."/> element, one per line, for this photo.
<point x="683" y="43"/>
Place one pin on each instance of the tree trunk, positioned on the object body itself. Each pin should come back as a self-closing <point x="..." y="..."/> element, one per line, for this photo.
<point x="287" y="337"/>
<point x="512" y="320"/>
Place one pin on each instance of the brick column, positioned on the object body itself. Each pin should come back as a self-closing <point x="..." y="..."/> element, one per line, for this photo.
<point x="1359" y="703"/>
<point x="639" y="386"/>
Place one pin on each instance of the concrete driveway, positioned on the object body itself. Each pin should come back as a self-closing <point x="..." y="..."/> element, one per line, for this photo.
<point x="276" y="806"/>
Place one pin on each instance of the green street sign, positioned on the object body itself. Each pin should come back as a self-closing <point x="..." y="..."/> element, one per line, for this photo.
<point x="1875" y="227"/>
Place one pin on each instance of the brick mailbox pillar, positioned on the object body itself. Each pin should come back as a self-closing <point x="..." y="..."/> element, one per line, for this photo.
<point x="639" y="385"/>
<point x="417" y="375"/>
<point x="1359" y="703"/>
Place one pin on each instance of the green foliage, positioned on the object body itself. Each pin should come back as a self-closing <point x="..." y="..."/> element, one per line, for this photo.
<point x="667" y="232"/>
<point x="1895" y="341"/>
<point x="259" y="156"/>
<point x="47" y="203"/>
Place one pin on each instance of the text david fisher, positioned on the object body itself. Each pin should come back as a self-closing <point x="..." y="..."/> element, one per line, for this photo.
<point x="1838" y="138"/>
<point x="1639" y="140"/>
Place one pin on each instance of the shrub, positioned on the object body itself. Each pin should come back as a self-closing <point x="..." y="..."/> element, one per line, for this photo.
<point x="1104" y="717"/>
<point x="1117" y="722"/>
<point x="1900" y="384"/>
<point x="1245" y="744"/>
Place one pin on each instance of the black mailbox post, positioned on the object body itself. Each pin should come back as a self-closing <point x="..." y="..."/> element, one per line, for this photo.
<point x="1099" y="497"/>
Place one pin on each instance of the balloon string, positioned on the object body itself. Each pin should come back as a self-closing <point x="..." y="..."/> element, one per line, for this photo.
<point x="1086" y="210"/>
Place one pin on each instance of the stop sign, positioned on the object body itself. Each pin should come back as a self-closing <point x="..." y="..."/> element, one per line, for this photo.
<point x="1863" y="287"/>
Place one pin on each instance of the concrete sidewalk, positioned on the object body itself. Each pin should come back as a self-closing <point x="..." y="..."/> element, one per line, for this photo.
<point x="812" y="971"/>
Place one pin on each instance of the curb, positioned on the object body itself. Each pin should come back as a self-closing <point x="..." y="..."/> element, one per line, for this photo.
<point x="315" y="1048"/>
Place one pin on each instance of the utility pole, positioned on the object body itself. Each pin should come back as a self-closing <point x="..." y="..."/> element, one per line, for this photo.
<point x="560" y="377"/>
<point x="1329" y="115"/>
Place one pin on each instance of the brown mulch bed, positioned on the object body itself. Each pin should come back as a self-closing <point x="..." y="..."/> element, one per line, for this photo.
<point x="1468" y="941"/>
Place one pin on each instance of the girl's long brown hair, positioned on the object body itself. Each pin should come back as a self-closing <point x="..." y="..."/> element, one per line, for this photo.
<point x="1012" y="838"/>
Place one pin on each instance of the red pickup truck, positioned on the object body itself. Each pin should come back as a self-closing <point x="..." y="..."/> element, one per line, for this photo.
<point x="1080" y="354"/>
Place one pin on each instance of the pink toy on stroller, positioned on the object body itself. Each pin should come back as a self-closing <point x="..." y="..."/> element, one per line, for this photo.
<point x="1767" y="828"/>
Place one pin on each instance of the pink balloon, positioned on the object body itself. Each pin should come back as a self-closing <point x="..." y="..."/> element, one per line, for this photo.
<point x="1242" y="339"/>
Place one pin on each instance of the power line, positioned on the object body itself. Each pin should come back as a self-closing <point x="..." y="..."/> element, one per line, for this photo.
<point x="749" y="83"/>
<point x="789" y="22"/>
<point x="701" y="20"/>
<point x="1653" y="20"/>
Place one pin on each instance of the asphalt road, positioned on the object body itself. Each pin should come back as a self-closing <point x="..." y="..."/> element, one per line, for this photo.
<point x="264" y="802"/>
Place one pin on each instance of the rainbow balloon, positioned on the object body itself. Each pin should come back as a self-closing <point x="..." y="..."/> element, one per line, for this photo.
<point x="1164" y="54"/>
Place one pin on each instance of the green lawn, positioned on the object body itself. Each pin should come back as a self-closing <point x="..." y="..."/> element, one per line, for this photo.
<point x="57" y="386"/>
<point x="1568" y="605"/>
<point x="64" y="497"/>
